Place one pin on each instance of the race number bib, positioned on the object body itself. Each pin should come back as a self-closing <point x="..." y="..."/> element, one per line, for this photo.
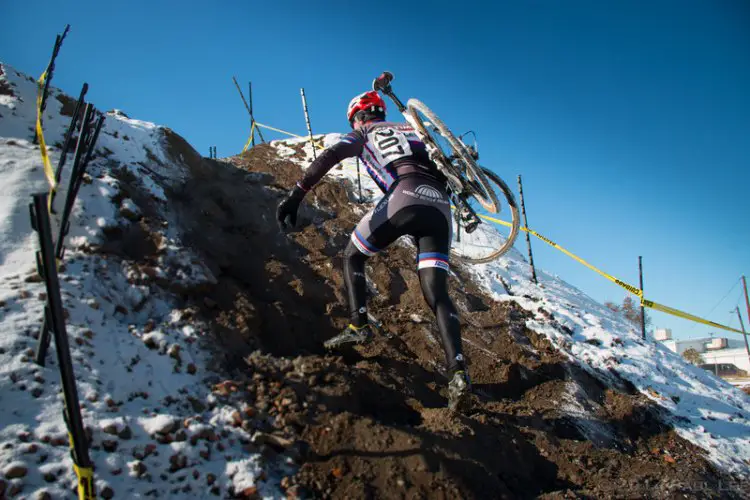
<point x="388" y="144"/>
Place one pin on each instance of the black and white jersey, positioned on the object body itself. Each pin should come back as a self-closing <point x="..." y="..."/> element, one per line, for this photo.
<point x="388" y="152"/>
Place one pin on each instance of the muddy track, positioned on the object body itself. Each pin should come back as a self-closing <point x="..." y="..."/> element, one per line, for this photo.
<point x="371" y="422"/>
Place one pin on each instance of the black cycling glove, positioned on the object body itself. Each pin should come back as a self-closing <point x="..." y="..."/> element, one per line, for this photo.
<point x="286" y="213"/>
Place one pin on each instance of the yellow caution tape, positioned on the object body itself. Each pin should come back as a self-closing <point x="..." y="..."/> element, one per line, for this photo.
<point x="48" y="172"/>
<point x="85" y="482"/>
<point x="249" y="139"/>
<point x="280" y="131"/>
<point x="630" y="288"/>
<point x="683" y="314"/>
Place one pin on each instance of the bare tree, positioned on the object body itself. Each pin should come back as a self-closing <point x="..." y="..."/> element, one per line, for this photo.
<point x="631" y="310"/>
<point x="693" y="356"/>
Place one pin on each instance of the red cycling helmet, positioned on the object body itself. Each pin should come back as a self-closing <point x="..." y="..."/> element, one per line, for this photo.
<point x="365" y="101"/>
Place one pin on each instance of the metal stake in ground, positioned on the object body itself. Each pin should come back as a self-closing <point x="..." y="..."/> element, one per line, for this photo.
<point x="49" y="71"/>
<point x="249" y="110"/>
<point x="69" y="135"/>
<point x="307" y="120"/>
<point x="643" y="309"/>
<point x="526" y="225"/>
<point x="742" y="326"/>
<point x="72" y="413"/>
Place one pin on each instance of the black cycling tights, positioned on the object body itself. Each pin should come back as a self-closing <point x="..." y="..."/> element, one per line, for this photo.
<point x="434" y="283"/>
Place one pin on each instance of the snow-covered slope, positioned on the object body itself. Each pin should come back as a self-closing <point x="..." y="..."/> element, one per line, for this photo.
<point x="146" y="391"/>
<point x="705" y="409"/>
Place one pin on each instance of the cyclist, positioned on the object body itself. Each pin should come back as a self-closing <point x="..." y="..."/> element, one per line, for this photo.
<point x="415" y="203"/>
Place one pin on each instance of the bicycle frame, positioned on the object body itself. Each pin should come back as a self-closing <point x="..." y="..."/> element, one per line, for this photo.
<point x="464" y="213"/>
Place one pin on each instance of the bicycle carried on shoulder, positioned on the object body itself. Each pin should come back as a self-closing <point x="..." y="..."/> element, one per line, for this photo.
<point x="476" y="192"/>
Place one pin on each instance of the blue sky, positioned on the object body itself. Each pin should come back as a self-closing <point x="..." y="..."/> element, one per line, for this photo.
<point x="629" y="121"/>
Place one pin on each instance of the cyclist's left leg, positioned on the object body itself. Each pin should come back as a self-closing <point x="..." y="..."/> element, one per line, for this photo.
<point x="373" y="233"/>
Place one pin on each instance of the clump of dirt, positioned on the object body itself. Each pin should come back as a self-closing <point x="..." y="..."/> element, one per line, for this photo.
<point x="68" y="104"/>
<point x="5" y="86"/>
<point x="371" y="421"/>
<point x="180" y="150"/>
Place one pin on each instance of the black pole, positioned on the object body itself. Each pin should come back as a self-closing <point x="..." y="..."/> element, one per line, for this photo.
<point x="250" y="99"/>
<point x="744" y="334"/>
<point x="643" y="309"/>
<point x="48" y="269"/>
<point x="74" y="184"/>
<point x="48" y="77"/>
<point x="69" y="133"/>
<point x="359" y="182"/>
<point x="526" y="225"/>
<point x="307" y="120"/>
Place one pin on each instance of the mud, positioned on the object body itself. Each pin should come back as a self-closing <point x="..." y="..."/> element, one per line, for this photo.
<point x="371" y="421"/>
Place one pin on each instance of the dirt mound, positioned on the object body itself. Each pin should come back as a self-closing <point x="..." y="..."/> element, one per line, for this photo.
<point x="372" y="422"/>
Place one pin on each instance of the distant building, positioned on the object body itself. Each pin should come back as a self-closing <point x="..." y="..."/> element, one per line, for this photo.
<point x="717" y="351"/>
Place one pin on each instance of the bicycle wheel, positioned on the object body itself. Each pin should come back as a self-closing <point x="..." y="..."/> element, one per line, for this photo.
<point x="442" y="139"/>
<point x="491" y="238"/>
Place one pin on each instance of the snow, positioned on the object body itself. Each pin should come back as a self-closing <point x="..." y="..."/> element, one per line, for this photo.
<point x="130" y="388"/>
<point x="703" y="409"/>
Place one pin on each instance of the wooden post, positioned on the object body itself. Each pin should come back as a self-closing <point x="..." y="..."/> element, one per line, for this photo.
<point x="307" y="120"/>
<point x="643" y="309"/>
<point x="528" y="239"/>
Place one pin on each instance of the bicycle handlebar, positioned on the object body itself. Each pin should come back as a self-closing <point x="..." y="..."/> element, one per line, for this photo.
<point x="383" y="82"/>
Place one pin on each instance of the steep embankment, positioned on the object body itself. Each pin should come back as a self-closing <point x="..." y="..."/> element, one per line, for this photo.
<point x="197" y="329"/>
<point x="373" y="420"/>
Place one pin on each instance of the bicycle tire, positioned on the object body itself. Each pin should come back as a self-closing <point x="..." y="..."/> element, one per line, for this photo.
<point x="479" y="188"/>
<point x="515" y="224"/>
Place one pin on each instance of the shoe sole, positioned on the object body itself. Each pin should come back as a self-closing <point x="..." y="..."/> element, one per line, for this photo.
<point x="339" y="344"/>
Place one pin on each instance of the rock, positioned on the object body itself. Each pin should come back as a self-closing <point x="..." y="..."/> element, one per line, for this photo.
<point x="210" y="479"/>
<point x="110" y="429"/>
<point x="174" y="352"/>
<point x="15" y="470"/>
<point x="236" y="419"/>
<point x="60" y="441"/>
<point x="107" y="493"/>
<point x="177" y="461"/>
<point x="43" y="495"/>
<point x="3" y="486"/>
<point x="249" y="492"/>
<point x="191" y="369"/>
<point x="109" y="445"/>
<point x="126" y="433"/>
<point x="15" y="489"/>
<point x="32" y="448"/>
<point x="149" y="326"/>
<point x="139" y="468"/>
